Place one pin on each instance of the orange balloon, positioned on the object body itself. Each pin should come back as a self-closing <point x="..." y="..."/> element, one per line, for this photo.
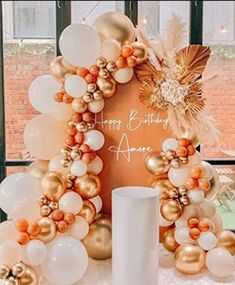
<point x="21" y="225"/>
<point x="121" y="62"/>
<point x="181" y="151"/>
<point x="79" y="137"/>
<point x="69" y="218"/>
<point x="94" y="69"/>
<point x="127" y="51"/>
<point x="58" y="215"/>
<point x="62" y="226"/>
<point x="204" y="184"/>
<point x="184" y="142"/>
<point x="23" y="238"/>
<point x="191" y="150"/>
<point x="90" y="78"/>
<point x="203" y="226"/>
<point x="193" y="223"/>
<point x="194" y="233"/>
<point x="34" y="229"/>
<point x="195" y="172"/>
<point x="190" y="184"/>
<point x="131" y="61"/>
<point x="82" y="71"/>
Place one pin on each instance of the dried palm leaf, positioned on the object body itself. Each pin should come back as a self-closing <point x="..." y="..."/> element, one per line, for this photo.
<point x="147" y="72"/>
<point x="150" y="96"/>
<point x="175" y="34"/>
<point x="192" y="59"/>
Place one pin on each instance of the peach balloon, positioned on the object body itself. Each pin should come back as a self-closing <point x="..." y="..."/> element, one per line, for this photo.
<point x="7" y="231"/>
<point x="208" y="208"/>
<point x="55" y="165"/>
<point x="110" y="49"/>
<point x="10" y="253"/>
<point x="71" y="202"/>
<point x="27" y="209"/>
<point x="43" y="136"/>
<point x="79" y="229"/>
<point x="195" y="172"/>
<point x="123" y="75"/>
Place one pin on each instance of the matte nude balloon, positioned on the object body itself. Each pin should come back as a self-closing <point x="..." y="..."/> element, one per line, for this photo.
<point x="71" y="202"/>
<point x="110" y="49"/>
<point x="10" y="253"/>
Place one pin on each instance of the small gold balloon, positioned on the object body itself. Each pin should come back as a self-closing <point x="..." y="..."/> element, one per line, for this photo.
<point x="4" y="271"/>
<point x="98" y="95"/>
<point x="88" y="211"/>
<point x="176" y="163"/>
<point x="173" y="193"/>
<point x="76" y="154"/>
<point x="101" y="62"/>
<point x="53" y="185"/>
<point x="156" y="164"/>
<point x="48" y="229"/>
<point x="103" y="73"/>
<point x="169" y="241"/>
<point x="111" y="66"/>
<point x="54" y="206"/>
<point x="190" y="135"/>
<point x="114" y="25"/>
<point x="11" y="281"/>
<point x="65" y="162"/>
<point x="65" y="150"/>
<point x="45" y="211"/>
<point x="98" y="242"/>
<point x="88" y="185"/>
<point x="162" y="185"/>
<point x="227" y="239"/>
<point x="82" y="127"/>
<point x="18" y="270"/>
<point x="184" y="200"/>
<point x="140" y="51"/>
<point x="79" y="106"/>
<point x="189" y="258"/>
<point x="58" y="70"/>
<point x="38" y="168"/>
<point x="171" y="210"/>
<point x="87" y="97"/>
<point x="107" y="86"/>
<point x="170" y="154"/>
<point x="91" y="87"/>
<point x="30" y="277"/>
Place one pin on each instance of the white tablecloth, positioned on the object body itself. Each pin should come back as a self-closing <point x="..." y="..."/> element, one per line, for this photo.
<point x="99" y="273"/>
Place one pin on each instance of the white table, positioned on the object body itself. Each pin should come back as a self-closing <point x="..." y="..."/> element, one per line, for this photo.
<point x="99" y="273"/>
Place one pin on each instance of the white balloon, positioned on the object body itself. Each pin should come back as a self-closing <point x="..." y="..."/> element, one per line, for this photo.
<point x="62" y="112"/>
<point x="170" y="143"/>
<point x="79" y="229"/>
<point x="178" y="176"/>
<point x="96" y="106"/>
<point x="207" y="208"/>
<point x="71" y="202"/>
<point x="181" y="222"/>
<point x="110" y="49"/>
<point x="191" y="211"/>
<point x="80" y="45"/>
<point x="207" y="241"/>
<point x="75" y="86"/>
<point x="195" y="159"/>
<point x="78" y="168"/>
<point x="10" y="253"/>
<point x="27" y="209"/>
<point x="55" y="165"/>
<point x="67" y="261"/>
<point x="96" y="165"/>
<point x="163" y="222"/>
<point x="34" y="253"/>
<point x="95" y="139"/>
<point x="41" y="93"/>
<point x="207" y="170"/>
<point x="97" y="201"/>
<point x="16" y="188"/>
<point x="123" y="75"/>
<point x="182" y="236"/>
<point x="8" y="231"/>
<point x="196" y="196"/>
<point x="220" y="262"/>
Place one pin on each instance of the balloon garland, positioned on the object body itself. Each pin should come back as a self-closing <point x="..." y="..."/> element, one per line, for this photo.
<point x="54" y="207"/>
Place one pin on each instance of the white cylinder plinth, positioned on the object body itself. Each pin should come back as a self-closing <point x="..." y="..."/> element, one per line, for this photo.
<point x="135" y="236"/>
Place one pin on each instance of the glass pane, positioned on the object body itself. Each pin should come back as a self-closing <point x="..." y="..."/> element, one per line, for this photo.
<point x="219" y="33"/>
<point x="32" y="19"/>
<point x="225" y="198"/>
<point x="88" y="11"/>
<point x="24" y="60"/>
<point x="153" y="15"/>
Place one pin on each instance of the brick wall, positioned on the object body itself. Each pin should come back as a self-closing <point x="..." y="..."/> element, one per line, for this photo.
<point x="22" y="66"/>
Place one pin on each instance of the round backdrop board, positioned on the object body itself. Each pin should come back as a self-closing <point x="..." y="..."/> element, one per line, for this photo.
<point x="131" y="133"/>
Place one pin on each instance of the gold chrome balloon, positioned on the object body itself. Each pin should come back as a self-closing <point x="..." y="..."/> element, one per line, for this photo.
<point x="189" y="258"/>
<point x="18" y="270"/>
<point x="227" y="239"/>
<point x="140" y="51"/>
<point x="30" y="277"/>
<point x="11" y="281"/>
<point x="88" y="211"/>
<point x="53" y="185"/>
<point x="48" y="229"/>
<point x="156" y="163"/>
<point x="169" y="241"/>
<point x="162" y="185"/>
<point x="79" y="106"/>
<point x="215" y="186"/>
<point x="4" y="271"/>
<point x="188" y="134"/>
<point x="107" y="86"/>
<point x="114" y="25"/>
<point x="38" y="168"/>
<point x="171" y="210"/>
<point x="98" y="242"/>
<point x="58" y="70"/>
<point x="88" y="185"/>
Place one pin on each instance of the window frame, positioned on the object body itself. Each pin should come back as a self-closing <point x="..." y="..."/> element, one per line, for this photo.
<point x="63" y="19"/>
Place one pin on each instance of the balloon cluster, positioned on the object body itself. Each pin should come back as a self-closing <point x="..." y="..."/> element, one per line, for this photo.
<point x="55" y="205"/>
<point x="190" y="226"/>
